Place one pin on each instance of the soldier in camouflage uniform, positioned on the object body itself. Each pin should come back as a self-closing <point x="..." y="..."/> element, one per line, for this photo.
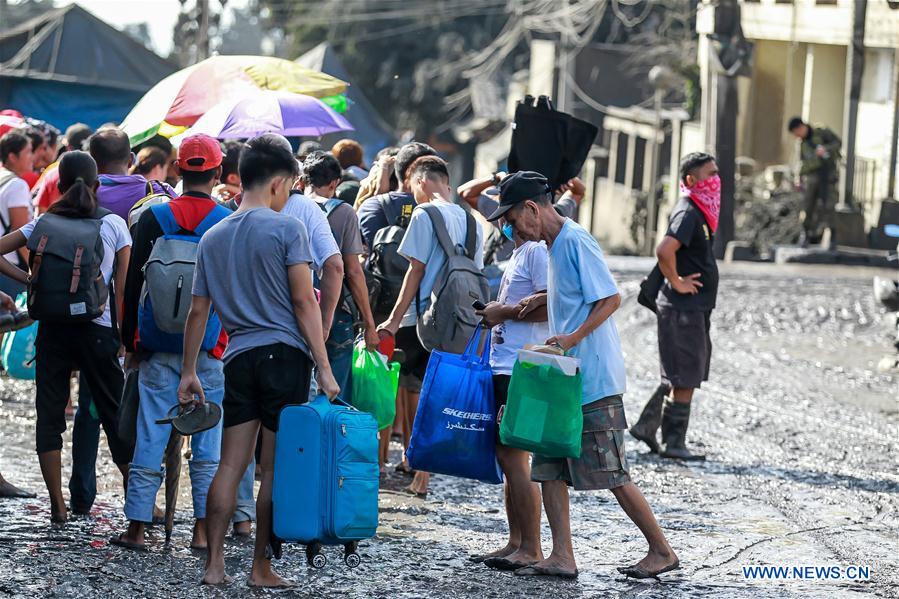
<point x="820" y="155"/>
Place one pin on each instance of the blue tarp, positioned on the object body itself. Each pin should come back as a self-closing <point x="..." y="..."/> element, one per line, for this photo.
<point x="62" y="104"/>
<point x="68" y="66"/>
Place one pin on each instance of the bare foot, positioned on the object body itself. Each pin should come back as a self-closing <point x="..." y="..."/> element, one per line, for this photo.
<point x="59" y="513"/>
<point x="419" y="484"/>
<point x="198" y="541"/>
<point x="263" y="576"/>
<point x="519" y="557"/>
<point x="216" y="581"/>
<point x="133" y="538"/>
<point x="654" y="561"/>
<point x="509" y="549"/>
<point x="555" y="562"/>
<point x="216" y="576"/>
<point x="243" y="529"/>
<point x="9" y="490"/>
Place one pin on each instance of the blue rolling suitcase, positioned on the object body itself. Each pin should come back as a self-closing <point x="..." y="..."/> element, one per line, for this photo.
<point x="325" y="489"/>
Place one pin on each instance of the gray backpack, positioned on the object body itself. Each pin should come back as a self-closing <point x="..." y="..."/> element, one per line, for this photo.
<point x="168" y="279"/>
<point x="449" y="321"/>
<point x="66" y="284"/>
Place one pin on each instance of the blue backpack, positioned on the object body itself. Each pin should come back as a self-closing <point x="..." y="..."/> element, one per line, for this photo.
<point x="168" y="279"/>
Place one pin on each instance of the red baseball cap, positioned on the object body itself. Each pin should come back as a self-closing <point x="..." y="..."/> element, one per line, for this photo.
<point x="199" y="153"/>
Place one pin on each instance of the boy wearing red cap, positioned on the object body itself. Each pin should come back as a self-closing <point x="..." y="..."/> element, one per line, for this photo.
<point x="200" y="159"/>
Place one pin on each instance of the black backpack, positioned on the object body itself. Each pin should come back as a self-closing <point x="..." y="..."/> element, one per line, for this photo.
<point x="386" y="268"/>
<point x="66" y="284"/>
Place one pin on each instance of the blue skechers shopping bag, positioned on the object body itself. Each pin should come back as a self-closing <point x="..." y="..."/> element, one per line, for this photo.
<point x="455" y="426"/>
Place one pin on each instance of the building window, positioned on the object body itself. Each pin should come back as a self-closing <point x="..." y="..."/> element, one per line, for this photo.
<point x="825" y="2"/>
<point x="877" y="77"/>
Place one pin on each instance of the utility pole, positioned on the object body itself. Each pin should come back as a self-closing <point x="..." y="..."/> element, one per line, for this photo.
<point x="728" y="33"/>
<point x="855" y="66"/>
<point x="894" y="138"/>
<point x="203" y="31"/>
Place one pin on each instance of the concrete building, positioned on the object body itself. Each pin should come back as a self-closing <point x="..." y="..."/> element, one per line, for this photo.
<point x="800" y="68"/>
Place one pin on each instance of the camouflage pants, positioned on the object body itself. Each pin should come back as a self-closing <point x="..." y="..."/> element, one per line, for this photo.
<point x="603" y="463"/>
<point x="820" y="198"/>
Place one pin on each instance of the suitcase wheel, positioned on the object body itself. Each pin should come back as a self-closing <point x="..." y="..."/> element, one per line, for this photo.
<point x="350" y="557"/>
<point x="314" y="555"/>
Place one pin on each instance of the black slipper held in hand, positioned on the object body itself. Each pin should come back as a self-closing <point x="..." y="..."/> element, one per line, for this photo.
<point x="197" y="419"/>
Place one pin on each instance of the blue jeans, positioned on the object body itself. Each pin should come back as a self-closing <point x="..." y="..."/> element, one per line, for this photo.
<point x="246" y="501"/>
<point x="340" y="352"/>
<point x="85" y="441"/>
<point x="158" y="388"/>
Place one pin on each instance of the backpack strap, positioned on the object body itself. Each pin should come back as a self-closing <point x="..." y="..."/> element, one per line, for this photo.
<point x="384" y="201"/>
<point x="215" y="215"/>
<point x="166" y="218"/>
<point x="449" y="248"/>
<point x="331" y="205"/>
<point x="471" y="235"/>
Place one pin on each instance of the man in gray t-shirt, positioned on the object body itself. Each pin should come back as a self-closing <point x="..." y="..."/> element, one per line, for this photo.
<point x="253" y="301"/>
<point x="254" y="268"/>
<point x="321" y="174"/>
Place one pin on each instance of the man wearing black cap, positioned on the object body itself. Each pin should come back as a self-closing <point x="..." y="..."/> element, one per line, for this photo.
<point x="581" y="297"/>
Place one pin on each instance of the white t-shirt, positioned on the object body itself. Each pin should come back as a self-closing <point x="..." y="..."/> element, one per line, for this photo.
<point x="420" y="242"/>
<point x="114" y="233"/>
<point x="525" y="275"/>
<point x="321" y="239"/>
<point x="14" y="194"/>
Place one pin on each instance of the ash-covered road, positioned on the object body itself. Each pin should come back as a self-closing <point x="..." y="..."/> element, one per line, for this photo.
<point x="800" y="430"/>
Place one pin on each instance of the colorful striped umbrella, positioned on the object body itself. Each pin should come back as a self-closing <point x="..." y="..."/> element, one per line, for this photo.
<point x="268" y="111"/>
<point x="179" y="100"/>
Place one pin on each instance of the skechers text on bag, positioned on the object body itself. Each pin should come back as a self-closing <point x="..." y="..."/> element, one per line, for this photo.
<point x="66" y="284"/>
<point x="168" y="279"/>
<point x="450" y="320"/>
<point x="454" y="431"/>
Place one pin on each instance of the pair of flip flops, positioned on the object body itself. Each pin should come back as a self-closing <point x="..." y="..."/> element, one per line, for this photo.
<point x="196" y="419"/>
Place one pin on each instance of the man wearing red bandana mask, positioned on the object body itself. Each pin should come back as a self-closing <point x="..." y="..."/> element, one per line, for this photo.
<point x="685" y="303"/>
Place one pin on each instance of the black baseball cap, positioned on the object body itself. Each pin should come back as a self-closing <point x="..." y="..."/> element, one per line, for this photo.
<point x="518" y="187"/>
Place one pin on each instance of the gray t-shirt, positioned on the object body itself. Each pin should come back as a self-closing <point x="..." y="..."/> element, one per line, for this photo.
<point x="345" y="227"/>
<point x="242" y="266"/>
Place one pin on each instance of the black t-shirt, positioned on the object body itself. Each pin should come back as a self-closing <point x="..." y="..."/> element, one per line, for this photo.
<point x="688" y="225"/>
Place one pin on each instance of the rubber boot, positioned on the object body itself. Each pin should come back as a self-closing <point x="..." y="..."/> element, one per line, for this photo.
<point x="675" y="420"/>
<point x="650" y="419"/>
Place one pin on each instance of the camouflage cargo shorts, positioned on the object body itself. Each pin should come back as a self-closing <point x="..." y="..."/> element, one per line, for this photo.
<point x="603" y="463"/>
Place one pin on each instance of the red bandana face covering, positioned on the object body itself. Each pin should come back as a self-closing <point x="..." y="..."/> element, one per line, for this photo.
<point x="707" y="195"/>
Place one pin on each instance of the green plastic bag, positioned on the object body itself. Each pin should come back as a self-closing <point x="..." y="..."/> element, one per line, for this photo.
<point x="543" y="411"/>
<point x="374" y="385"/>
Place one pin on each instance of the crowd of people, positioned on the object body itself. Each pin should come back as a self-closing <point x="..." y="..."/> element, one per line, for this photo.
<point x="293" y="258"/>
